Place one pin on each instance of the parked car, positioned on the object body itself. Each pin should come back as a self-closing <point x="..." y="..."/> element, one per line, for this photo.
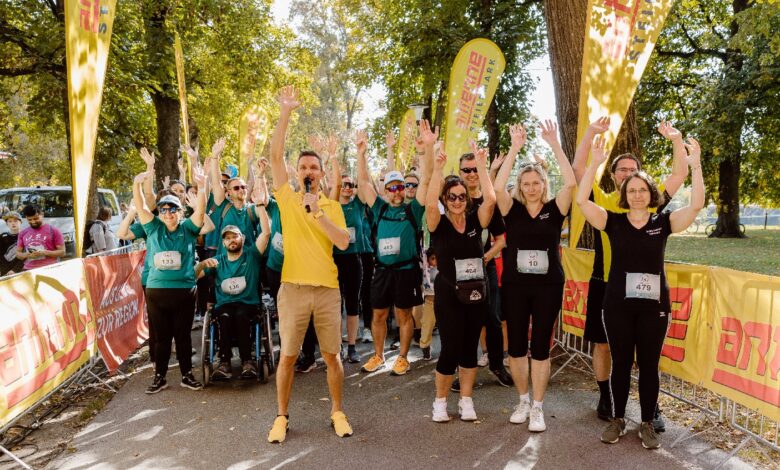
<point x="57" y="205"/>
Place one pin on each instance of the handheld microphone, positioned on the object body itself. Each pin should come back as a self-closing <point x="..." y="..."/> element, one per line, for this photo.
<point x="307" y="187"/>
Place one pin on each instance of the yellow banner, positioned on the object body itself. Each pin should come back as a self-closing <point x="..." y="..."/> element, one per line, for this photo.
<point x="744" y="352"/>
<point x="473" y="82"/>
<point x="577" y="266"/>
<point x="406" y="149"/>
<point x="185" y="123"/>
<point x="252" y="132"/>
<point x="620" y="37"/>
<point x="88" y="25"/>
<point x="46" y="334"/>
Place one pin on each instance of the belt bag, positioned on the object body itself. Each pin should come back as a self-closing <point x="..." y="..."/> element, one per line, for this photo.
<point x="471" y="292"/>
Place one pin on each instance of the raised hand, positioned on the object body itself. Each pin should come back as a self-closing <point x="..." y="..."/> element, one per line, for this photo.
<point x="598" y="151"/>
<point x="180" y="165"/>
<point x="440" y="161"/>
<point x="288" y="99"/>
<point x="539" y="159"/>
<point x="191" y="200"/>
<point x="428" y="136"/>
<point x="166" y="182"/>
<point x="147" y="157"/>
<point x="498" y="161"/>
<point x="140" y="177"/>
<point x="549" y="132"/>
<point x="199" y="177"/>
<point x="666" y="129"/>
<point x="390" y="139"/>
<point x="332" y="145"/>
<point x="694" y="153"/>
<point x="217" y="148"/>
<point x="316" y="144"/>
<point x="261" y="164"/>
<point x="438" y="147"/>
<point x="600" y="125"/>
<point x="361" y="142"/>
<point x="260" y="194"/>
<point x="518" y="135"/>
<point x="480" y="154"/>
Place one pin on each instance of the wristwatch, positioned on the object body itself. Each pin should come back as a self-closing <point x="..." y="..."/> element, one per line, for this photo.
<point x="319" y="214"/>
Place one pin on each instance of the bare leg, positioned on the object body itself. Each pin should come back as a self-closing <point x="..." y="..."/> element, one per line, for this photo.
<point x="335" y="379"/>
<point x="540" y="376"/>
<point x="443" y="384"/>
<point x="284" y="382"/>
<point x="518" y="367"/>
<point x="602" y="361"/>
<point x="467" y="378"/>
<point x="403" y="316"/>
<point x="379" y="330"/>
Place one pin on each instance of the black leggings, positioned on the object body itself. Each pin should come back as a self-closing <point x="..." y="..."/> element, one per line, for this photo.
<point x="171" y="312"/>
<point x="494" y="334"/>
<point x="367" y="262"/>
<point x="350" y="274"/>
<point x="274" y="282"/>
<point x="459" y="328"/>
<point x="235" y="322"/>
<point x="537" y="304"/>
<point x="206" y="283"/>
<point x="641" y="328"/>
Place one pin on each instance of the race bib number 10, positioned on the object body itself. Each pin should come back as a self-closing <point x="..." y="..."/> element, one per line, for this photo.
<point x="532" y="261"/>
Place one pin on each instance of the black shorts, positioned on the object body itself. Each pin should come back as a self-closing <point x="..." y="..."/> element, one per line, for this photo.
<point x="350" y="277"/>
<point x="401" y="288"/>
<point x="594" y="327"/>
<point x="536" y="304"/>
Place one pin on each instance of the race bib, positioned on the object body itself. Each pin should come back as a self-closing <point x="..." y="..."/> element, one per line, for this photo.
<point x="167" y="260"/>
<point x="351" y="231"/>
<point x="234" y="285"/>
<point x="389" y="246"/>
<point x="532" y="261"/>
<point x="277" y="244"/>
<point x="643" y="286"/>
<point x="469" y="269"/>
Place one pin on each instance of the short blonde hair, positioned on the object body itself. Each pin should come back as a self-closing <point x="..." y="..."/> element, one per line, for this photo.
<point x="528" y="168"/>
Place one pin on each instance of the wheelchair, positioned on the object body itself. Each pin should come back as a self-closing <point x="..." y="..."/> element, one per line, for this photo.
<point x="261" y="339"/>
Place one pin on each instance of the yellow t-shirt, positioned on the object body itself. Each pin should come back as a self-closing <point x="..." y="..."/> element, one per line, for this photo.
<point x="609" y="201"/>
<point x="308" y="252"/>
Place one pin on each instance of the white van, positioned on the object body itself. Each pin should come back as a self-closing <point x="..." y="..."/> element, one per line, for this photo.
<point x="57" y="205"/>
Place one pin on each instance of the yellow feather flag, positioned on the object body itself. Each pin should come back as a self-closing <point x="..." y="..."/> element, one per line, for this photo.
<point x="620" y="36"/>
<point x="185" y="123"/>
<point x="408" y="134"/>
<point x="252" y="132"/>
<point x="473" y="82"/>
<point x="88" y="26"/>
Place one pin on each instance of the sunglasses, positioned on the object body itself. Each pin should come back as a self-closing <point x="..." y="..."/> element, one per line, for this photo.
<point x="236" y="188"/>
<point x="169" y="210"/>
<point x="456" y="197"/>
<point x="349" y="185"/>
<point x="468" y="170"/>
<point x="395" y="188"/>
<point x="411" y="185"/>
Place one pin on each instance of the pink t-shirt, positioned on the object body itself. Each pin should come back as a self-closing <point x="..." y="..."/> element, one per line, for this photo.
<point x="44" y="238"/>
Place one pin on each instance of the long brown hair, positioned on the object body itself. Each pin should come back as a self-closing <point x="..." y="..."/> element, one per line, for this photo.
<point x="656" y="198"/>
<point x="449" y="183"/>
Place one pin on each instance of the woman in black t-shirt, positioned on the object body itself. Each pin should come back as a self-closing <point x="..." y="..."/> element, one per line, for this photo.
<point x="637" y="311"/>
<point x="459" y="304"/>
<point x="532" y="280"/>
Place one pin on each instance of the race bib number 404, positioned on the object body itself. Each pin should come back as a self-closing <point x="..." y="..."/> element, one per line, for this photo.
<point x="532" y="261"/>
<point x="643" y="286"/>
<point x="167" y="260"/>
<point x="469" y="269"/>
<point x="389" y="246"/>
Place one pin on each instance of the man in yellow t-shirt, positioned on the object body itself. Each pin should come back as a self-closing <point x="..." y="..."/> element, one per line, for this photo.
<point x="311" y="225"/>
<point x="621" y="167"/>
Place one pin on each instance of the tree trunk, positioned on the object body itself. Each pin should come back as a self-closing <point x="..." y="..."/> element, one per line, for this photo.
<point x="168" y="132"/>
<point x="440" y="109"/>
<point x="493" y="131"/>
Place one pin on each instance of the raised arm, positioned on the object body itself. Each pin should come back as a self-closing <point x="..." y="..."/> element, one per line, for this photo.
<point x="199" y="178"/>
<point x="214" y="171"/>
<point x="503" y="198"/>
<point x="593" y="213"/>
<point x="332" y="148"/>
<point x="288" y="102"/>
<point x="682" y="218"/>
<point x="495" y="165"/>
<point x="148" y="189"/>
<point x="144" y="213"/>
<point x="485" y="211"/>
<point x="432" y="214"/>
<point x="265" y="230"/>
<point x="566" y="193"/>
<point x="259" y="194"/>
<point x="679" y="158"/>
<point x="428" y="138"/>
<point x="366" y="191"/>
<point x="123" y="232"/>
<point x="599" y="126"/>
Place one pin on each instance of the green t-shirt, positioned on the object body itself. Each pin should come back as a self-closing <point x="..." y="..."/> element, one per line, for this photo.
<point x="354" y="214"/>
<point x="172" y="254"/>
<point x="396" y="240"/>
<point x="212" y="239"/>
<point x="240" y="276"/>
<point x="239" y="217"/>
<point x="138" y="231"/>
<point x="275" y="250"/>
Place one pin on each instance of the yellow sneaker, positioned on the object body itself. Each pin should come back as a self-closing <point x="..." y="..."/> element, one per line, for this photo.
<point x="373" y="364"/>
<point x="339" y="422"/>
<point x="401" y="366"/>
<point x="278" y="430"/>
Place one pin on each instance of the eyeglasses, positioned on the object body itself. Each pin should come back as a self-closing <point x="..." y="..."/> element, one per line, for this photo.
<point x="394" y="188"/>
<point x="411" y="185"/>
<point x="456" y="197"/>
<point x="469" y="170"/>
<point x="349" y="185"/>
<point x="236" y="188"/>
<point x="169" y="210"/>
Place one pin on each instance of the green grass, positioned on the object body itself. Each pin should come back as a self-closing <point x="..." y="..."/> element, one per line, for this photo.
<point x="759" y="253"/>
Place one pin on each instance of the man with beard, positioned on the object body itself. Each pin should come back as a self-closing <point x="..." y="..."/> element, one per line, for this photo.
<point x="40" y="244"/>
<point x="237" y="278"/>
<point x="9" y="263"/>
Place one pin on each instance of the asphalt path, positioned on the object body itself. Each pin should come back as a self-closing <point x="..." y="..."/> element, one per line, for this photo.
<point x="225" y="427"/>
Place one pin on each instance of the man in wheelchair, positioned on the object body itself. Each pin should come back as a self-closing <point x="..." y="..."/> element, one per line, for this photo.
<point x="237" y="285"/>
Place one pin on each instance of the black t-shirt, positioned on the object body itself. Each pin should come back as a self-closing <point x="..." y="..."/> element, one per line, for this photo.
<point x="531" y="239"/>
<point x="8" y="259"/>
<point x="636" y="250"/>
<point x="450" y="245"/>
<point x="495" y="228"/>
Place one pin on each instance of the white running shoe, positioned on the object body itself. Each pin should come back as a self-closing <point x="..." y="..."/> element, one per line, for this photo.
<point x="521" y="413"/>
<point x="537" y="420"/>
<point x="483" y="360"/>
<point x="506" y="361"/>
<point x="367" y="338"/>
<point x="466" y="409"/>
<point x="440" y="412"/>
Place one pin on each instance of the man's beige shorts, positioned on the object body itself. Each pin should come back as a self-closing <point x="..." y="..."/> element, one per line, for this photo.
<point x="296" y="305"/>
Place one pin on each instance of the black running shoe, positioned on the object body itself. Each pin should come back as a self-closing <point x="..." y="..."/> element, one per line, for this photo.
<point x="306" y="365"/>
<point x="455" y="387"/>
<point x="159" y="383"/>
<point x="188" y="381"/>
<point x="426" y="352"/>
<point x="503" y="376"/>
<point x="604" y="410"/>
<point x="659" y="425"/>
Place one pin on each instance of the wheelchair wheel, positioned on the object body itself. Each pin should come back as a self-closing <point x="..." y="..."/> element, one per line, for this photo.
<point x="263" y="373"/>
<point x="205" y="349"/>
